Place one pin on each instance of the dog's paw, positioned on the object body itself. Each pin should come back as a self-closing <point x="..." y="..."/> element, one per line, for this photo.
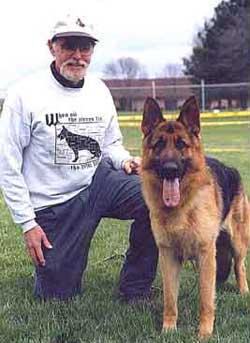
<point x="168" y="326"/>
<point x="244" y="289"/>
<point x="205" y="333"/>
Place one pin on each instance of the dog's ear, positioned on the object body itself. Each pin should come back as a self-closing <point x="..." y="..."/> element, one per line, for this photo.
<point x="152" y="116"/>
<point x="190" y="115"/>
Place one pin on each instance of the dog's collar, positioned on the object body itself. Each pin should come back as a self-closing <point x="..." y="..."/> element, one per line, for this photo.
<point x="62" y="80"/>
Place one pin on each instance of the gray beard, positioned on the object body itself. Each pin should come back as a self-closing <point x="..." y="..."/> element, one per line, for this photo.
<point x="68" y="76"/>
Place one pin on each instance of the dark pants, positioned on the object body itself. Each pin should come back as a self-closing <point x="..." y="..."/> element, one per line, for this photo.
<point x="70" y="227"/>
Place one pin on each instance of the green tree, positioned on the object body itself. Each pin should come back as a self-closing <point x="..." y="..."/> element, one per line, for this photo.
<point x="221" y="51"/>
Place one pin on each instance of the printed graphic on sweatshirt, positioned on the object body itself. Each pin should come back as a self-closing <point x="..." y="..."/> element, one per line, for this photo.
<point x="77" y="142"/>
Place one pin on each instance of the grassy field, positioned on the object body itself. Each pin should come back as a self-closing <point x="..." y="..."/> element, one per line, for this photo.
<point x="97" y="316"/>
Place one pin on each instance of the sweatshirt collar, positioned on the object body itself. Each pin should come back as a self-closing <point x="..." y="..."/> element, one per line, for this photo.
<point x="62" y="80"/>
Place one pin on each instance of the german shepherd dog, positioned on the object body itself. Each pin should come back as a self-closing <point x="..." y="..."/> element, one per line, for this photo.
<point x="198" y="209"/>
<point x="78" y="142"/>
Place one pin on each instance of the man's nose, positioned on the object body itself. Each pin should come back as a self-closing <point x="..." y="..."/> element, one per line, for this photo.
<point x="77" y="53"/>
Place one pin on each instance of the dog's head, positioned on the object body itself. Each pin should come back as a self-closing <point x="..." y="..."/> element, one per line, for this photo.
<point x="171" y="149"/>
<point x="63" y="133"/>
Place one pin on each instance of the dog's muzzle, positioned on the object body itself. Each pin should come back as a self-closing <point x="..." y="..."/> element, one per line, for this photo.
<point x="171" y="170"/>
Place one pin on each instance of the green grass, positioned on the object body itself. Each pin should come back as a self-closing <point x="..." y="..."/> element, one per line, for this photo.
<point x="97" y="315"/>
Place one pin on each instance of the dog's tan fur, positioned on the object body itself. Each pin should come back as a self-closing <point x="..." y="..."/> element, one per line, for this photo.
<point x="190" y="229"/>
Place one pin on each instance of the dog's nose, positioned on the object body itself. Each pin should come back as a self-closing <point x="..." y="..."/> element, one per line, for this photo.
<point x="170" y="170"/>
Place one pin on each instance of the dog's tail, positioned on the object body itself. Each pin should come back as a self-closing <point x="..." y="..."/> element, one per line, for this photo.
<point x="224" y="256"/>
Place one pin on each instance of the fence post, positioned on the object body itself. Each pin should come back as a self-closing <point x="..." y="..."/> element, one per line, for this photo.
<point x="203" y="101"/>
<point x="153" y="89"/>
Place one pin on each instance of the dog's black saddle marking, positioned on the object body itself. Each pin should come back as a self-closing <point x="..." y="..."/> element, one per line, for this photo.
<point x="229" y="181"/>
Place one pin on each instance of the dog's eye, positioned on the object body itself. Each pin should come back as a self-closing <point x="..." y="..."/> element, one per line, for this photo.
<point x="180" y="144"/>
<point x="160" y="143"/>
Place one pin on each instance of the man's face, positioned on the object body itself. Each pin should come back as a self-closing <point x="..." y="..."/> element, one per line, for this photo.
<point x="72" y="56"/>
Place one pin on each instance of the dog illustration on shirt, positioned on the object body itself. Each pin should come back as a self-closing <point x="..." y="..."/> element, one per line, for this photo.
<point x="78" y="142"/>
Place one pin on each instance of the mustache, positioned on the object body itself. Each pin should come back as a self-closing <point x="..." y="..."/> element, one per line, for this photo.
<point x="76" y="63"/>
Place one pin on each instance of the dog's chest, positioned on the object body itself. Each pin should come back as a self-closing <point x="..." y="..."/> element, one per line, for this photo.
<point x="185" y="245"/>
<point x="183" y="237"/>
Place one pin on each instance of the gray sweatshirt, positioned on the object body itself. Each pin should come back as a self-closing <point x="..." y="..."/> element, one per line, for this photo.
<point x="52" y="139"/>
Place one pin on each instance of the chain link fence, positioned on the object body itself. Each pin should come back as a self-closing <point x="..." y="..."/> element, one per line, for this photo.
<point x="231" y="96"/>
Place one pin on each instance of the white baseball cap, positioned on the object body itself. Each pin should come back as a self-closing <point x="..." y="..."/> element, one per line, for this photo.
<point x="73" y="26"/>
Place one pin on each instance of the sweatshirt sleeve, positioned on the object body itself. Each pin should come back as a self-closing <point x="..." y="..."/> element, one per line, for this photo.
<point x="14" y="137"/>
<point x="113" y="141"/>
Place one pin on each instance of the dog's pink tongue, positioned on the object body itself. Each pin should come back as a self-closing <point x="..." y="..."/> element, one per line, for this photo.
<point x="171" y="192"/>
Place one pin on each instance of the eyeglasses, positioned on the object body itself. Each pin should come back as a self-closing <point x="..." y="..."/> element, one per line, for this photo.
<point x="73" y="43"/>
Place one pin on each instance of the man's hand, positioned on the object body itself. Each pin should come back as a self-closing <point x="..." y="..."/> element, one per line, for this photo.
<point x="34" y="239"/>
<point x="133" y="165"/>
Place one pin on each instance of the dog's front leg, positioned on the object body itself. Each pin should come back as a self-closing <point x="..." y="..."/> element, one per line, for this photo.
<point x="207" y="277"/>
<point x="170" y="270"/>
<point x="76" y="155"/>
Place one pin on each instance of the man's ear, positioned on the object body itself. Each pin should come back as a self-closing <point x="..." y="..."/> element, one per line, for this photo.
<point x="51" y="48"/>
<point x="190" y="115"/>
<point x="152" y="116"/>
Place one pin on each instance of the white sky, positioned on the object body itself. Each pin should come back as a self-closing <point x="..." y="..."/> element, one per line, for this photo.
<point x="154" y="32"/>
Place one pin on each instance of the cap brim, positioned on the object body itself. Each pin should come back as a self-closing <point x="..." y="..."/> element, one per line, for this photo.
<point x="75" y="34"/>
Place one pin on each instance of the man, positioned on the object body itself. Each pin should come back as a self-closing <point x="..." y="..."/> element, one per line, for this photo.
<point x="63" y="168"/>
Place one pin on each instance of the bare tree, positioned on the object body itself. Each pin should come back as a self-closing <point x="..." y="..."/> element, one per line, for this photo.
<point x="172" y="70"/>
<point x="125" y="68"/>
<point x="111" y="70"/>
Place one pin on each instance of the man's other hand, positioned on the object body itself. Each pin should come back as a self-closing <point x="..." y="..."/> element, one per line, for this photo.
<point x="34" y="239"/>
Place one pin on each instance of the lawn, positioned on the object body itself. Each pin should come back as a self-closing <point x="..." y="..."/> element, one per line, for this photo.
<point x="97" y="315"/>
